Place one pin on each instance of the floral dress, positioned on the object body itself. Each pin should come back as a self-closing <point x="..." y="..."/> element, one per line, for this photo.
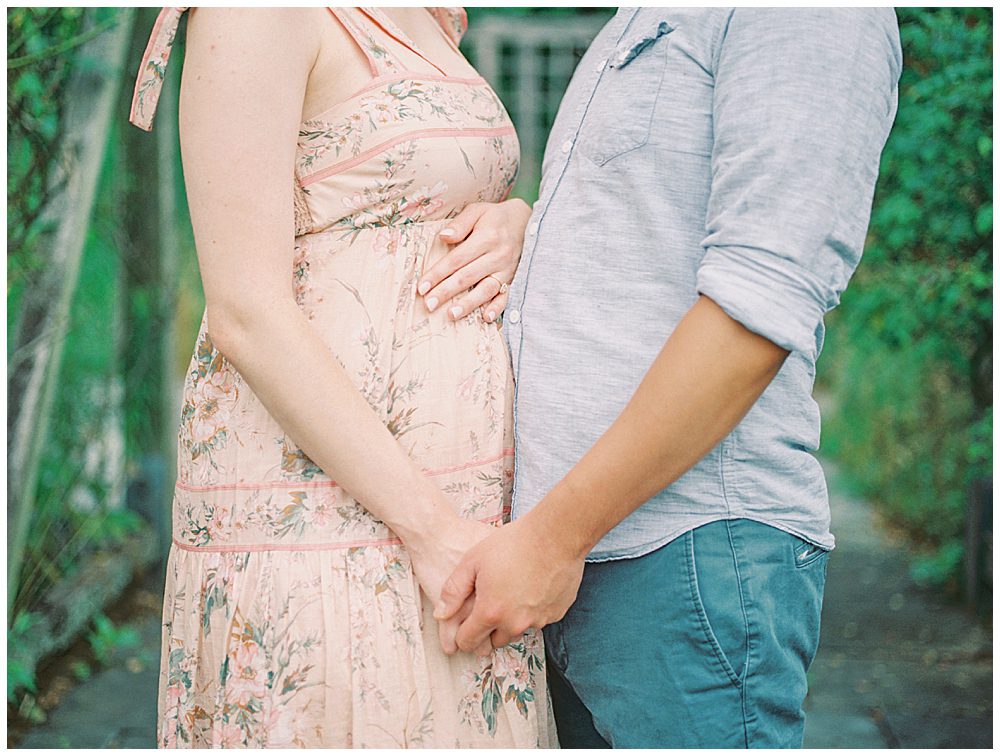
<point x="292" y="616"/>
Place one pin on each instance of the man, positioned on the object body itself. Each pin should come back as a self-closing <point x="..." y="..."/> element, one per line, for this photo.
<point x="704" y="201"/>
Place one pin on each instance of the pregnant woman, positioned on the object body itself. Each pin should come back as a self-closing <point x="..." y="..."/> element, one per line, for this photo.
<point x="343" y="441"/>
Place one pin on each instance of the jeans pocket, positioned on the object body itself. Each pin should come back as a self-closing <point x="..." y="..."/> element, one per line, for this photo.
<point x="806" y="553"/>
<point x="717" y="598"/>
<point x="621" y="112"/>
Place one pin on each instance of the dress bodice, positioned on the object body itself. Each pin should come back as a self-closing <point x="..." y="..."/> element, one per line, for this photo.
<point x="410" y="146"/>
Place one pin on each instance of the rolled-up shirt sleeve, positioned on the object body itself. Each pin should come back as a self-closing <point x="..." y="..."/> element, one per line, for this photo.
<point x="803" y="103"/>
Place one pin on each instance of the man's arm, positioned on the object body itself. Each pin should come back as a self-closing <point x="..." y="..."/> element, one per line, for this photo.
<point x="707" y="376"/>
<point x="803" y="102"/>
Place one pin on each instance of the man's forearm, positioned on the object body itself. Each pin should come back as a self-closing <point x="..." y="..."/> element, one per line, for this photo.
<point x="705" y="379"/>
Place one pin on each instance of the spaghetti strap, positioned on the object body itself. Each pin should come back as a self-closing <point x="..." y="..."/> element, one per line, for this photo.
<point x="149" y="79"/>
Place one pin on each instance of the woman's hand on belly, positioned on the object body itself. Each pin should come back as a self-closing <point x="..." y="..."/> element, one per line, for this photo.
<point x="487" y="238"/>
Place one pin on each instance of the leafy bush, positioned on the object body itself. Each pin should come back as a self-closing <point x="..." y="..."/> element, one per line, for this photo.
<point x="36" y="81"/>
<point x="909" y="356"/>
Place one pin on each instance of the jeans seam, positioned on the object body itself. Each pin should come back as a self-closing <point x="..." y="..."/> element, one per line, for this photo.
<point x="559" y="656"/>
<point x="743" y="603"/>
<point x="750" y="718"/>
<point x="706" y="627"/>
<point x="745" y="674"/>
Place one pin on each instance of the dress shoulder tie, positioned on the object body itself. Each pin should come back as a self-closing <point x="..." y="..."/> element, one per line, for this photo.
<point x="149" y="80"/>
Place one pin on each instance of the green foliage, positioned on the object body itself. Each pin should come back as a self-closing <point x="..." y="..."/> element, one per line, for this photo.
<point x="106" y="639"/>
<point x="20" y="677"/>
<point x="34" y="108"/>
<point x="74" y="512"/>
<point x="71" y="515"/>
<point x="39" y="64"/>
<point x="30" y="710"/>
<point x="935" y="568"/>
<point x="81" y="670"/>
<point x="909" y="353"/>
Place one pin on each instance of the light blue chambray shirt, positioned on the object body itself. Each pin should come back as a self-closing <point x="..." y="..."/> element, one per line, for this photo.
<point x="731" y="153"/>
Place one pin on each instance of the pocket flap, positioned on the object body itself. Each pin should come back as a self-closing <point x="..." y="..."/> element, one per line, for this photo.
<point x="638" y="41"/>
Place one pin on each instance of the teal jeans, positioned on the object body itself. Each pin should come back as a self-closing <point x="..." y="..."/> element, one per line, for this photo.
<point x="703" y="643"/>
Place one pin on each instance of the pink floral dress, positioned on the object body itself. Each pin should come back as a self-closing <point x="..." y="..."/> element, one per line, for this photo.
<point x="292" y="616"/>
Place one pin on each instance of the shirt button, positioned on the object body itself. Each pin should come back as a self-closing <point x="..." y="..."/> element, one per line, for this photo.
<point x="514" y="316"/>
<point x="532" y="229"/>
<point x="601" y="65"/>
<point x="567" y="146"/>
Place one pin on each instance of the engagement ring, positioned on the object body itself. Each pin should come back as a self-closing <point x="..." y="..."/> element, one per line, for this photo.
<point x="504" y="287"/>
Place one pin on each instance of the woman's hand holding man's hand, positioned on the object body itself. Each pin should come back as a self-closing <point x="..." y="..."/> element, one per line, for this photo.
<point x="436" y="553"/>
<point x="486" y="240"/>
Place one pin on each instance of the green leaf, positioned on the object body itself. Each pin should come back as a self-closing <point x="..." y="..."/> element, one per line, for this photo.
<point x="984" y="219"/>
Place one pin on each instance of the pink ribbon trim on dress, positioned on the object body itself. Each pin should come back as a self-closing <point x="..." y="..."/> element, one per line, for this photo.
<point x="243" y="548"/>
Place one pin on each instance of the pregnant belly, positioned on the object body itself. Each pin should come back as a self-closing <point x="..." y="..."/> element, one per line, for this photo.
<point x="443" y="387"/>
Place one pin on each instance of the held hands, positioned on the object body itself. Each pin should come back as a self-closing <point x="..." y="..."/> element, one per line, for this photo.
<point x="498" y="587"/>
<point x="476" y="272"/>
<point x="509" y="582"/>
<point x="435" y="555"/>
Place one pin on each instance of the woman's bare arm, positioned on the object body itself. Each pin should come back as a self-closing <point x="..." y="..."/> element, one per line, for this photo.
<point x="244" y="82"/>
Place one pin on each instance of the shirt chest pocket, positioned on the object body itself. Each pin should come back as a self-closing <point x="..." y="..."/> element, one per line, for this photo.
<point x="620" y="114"/>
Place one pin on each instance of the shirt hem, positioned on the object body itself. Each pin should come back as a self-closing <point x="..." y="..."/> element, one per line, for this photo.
<point x="638" y="551"/>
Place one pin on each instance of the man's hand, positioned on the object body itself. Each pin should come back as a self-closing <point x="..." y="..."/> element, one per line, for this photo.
<point x="519" y="579"/>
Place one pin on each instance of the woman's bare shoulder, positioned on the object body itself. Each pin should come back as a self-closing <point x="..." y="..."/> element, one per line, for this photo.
<point x="246" y="71"/>
<point x="268" y="32"/>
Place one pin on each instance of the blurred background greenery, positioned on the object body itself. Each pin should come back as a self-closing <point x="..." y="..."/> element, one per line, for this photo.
<point x="103" y="303"/>
<point x="908" y="362"/>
